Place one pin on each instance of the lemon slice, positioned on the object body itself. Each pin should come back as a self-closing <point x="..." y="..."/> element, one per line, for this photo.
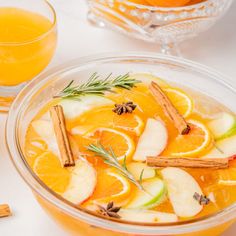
<point x="182" y="102"/>
<point x="122" y="145"/>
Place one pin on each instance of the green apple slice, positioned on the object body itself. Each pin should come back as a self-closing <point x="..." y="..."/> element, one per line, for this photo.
<point x="181" y="187"/>
<point x="136" y="169"/>
<point x="74" y="108"/>
<point x="224" y="148"/>
<point x="153" y="195"/>
<point x="224" y="126"/>
<point x="147" y="216"/>
<point x="82" y="183"/>
<point x="152" y="141"/>
<point x="147" y="78"/>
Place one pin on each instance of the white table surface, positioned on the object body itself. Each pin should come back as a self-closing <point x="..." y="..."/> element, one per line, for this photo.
<point x="215" y="48"/>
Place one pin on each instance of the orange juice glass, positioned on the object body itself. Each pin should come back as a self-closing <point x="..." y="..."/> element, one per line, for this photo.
<point x="27" y="43"/>
<point x="80" y="221"/>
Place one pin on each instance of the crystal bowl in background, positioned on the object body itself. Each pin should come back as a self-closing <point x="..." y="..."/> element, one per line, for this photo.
<point x="163" y="25"/>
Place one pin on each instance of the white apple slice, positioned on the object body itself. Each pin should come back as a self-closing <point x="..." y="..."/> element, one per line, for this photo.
<point x="224" y="148"/>
<point x="154" y="193"/>
<point x="181" y="187"/>
<point x="136" y="169"/>
<point x="147" y="216"/>
<point x="152" y="141"/>
<point x="73" y="108"/>
<point x="224" y="126"/>
<point x="44" y="128"/>
<point x="82" y="183"/>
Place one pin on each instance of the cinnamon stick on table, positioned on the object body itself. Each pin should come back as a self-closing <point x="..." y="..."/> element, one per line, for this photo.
<point x="58" y="119"/>
<point x="4" y="210"/>
<point x="169" y="108"/>
<point x="211" y="163"/>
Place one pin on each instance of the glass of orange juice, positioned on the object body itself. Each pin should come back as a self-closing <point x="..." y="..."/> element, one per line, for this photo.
<point x="28" y="38"/>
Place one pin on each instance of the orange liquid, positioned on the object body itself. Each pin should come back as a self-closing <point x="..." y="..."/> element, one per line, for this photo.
<point x="148" y="108"/>
<point x="27" y="44"/>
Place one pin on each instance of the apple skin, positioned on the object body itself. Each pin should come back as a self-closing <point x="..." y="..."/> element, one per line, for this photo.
<point x="154" y="194"/>
<point x="223" y="126"/>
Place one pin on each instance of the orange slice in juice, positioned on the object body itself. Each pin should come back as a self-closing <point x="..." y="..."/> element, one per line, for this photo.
<point x="105" y="117"/>
<point x="111" y="186"/>
<point x="48" y="168"/>
<point x="182" y="102"/>
<point x="122" y="145"/>
<point x="195" y="143"/>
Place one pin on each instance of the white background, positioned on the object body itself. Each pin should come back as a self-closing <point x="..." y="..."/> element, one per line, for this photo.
<point x="215" y="48"/>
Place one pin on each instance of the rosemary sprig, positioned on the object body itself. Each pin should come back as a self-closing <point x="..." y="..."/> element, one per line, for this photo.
<point x="110" y="159"/>
<point x="98" y="86"/>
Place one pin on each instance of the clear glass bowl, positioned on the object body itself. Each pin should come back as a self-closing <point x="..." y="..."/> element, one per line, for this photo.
<point x="163" y="25"/>
<point x="39" y="91"/>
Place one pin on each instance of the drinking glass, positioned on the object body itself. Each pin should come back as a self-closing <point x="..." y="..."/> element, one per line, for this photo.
<point x="28" y="38"/>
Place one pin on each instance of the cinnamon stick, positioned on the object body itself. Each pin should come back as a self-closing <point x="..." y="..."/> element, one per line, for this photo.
<point x="5" y="210"/>
<point x="211" y="163"/>
<point x="58" y="119"/>
<point x="169" y="108"/>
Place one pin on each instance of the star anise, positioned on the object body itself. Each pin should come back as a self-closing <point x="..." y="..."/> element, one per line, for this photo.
<point x="202" y="200"/>
<point x="125" y="107"/>
<point x="110" y="210"/>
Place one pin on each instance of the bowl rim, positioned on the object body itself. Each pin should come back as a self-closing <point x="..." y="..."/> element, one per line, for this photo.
<point x="39" y="37"/>
<point x="43" y="191"/>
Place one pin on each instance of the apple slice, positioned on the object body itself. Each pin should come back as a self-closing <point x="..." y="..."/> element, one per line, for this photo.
<point x="136" y="169"/>
<point x="181" y="187"/>
<point x="82" y="183"/>
<point x="73" y="108"/>
<point x="224" y="126"/>
<point x="147" y="216"/>
<point x="152" y="141"/>
<point x="44" y="128"/>
<point x="153" y="195"/>
<point x="224" y="148"/>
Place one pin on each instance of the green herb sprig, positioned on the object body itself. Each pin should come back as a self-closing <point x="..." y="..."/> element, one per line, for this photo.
<point x="98" y="86"/>
<point x="110" y="159"/>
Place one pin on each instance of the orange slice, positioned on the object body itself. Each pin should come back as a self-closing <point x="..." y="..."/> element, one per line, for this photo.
<point x="105" y="117"/>
<point x="194" y="144"/>
<point x="182" y="102"/>
<point x="121" y="143"/>
<point x="48" y="168"/>
<point x="111" y="186"/>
